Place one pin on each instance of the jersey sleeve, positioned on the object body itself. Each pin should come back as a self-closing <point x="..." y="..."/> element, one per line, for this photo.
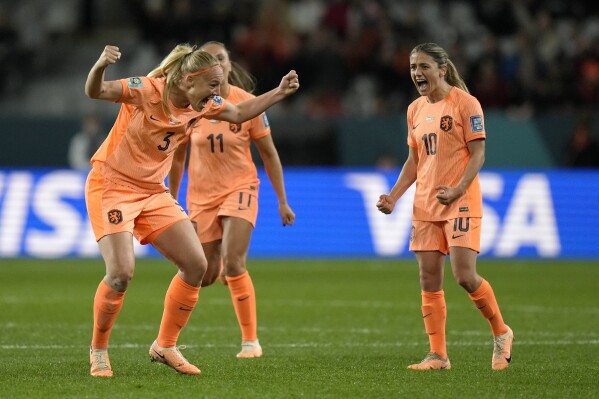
<point x="259" y="127"/>
<point x="137" y="91"/>
<point x="214" y="107"/>
<point x="473" y="119"/>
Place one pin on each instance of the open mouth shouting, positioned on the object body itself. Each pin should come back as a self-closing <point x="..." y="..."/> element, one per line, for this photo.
<point x="421" y="84"/>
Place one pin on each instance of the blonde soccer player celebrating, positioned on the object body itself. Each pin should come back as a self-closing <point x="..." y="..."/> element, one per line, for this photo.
<point x="125" y="192"/>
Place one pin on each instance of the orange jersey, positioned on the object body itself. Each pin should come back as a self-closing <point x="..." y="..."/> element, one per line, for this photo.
<point x="139" y="150"/>
<point x="220" y="161"/>
<point x="440" y="133"/>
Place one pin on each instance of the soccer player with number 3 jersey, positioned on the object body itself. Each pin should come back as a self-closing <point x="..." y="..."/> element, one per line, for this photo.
<point x="446" y="139"/>
<point x="125" y="192"/>
<point x="222" y="193"/>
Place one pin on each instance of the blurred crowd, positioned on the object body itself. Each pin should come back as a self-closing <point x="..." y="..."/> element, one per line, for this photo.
<point x="523" y="56"/>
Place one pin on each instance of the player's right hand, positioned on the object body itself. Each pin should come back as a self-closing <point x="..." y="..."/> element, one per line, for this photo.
<point x="110" y="55"/>
<point x="385" y="204"/>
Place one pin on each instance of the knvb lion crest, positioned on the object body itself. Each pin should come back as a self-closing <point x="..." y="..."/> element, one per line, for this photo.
<point x="235" y="127"/>
<point x="446" y="123"/>
<point x="115" y="216"/>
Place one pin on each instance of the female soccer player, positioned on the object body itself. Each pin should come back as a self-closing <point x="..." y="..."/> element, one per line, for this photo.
<point x="125" y="191"/>
<point x="222" y="194"/>
<point x="446" y="138"/>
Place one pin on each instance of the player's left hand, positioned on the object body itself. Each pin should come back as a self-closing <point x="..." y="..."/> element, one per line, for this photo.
<point x="290" y="83"/>
<point x="446" y="195"/>
<point x="385" y="204"/>
<point x="287" y="215"/>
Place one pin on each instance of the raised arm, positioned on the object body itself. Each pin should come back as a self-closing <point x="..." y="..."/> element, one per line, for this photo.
<point x="95" y="86"/>
<point x="248" y="109"/>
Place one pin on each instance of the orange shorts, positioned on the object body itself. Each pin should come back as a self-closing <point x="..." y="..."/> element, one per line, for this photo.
<point x="206" y="219"/>
<point x="114" y="208"/>
<point x="440" y="236"/>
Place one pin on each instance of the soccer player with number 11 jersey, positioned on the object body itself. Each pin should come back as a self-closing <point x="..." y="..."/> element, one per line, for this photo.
<point x="222" y="193"/>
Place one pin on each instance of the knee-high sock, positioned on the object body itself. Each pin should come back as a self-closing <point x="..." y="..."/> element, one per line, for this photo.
<point x="484" y="299"/>
<point x="107" y="305"/>
<point x="244" y="302"/>
<point x="434" y="314"/>
<point x="179" y="302"/>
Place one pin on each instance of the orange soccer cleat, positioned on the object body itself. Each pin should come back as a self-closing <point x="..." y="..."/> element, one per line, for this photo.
<point x="250" y="349"/>
<point x="172" y="358"/>
<point x="99" y="364"/>
<point x="432" y="361"/>
<point x="502" y="350"/>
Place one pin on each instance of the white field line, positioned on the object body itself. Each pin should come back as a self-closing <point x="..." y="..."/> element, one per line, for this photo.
<point x="590" y="335"/>
<point x="312" y="345"/>
<point x="360" y="331"/>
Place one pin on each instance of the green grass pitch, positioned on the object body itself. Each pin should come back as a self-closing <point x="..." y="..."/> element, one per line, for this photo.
<point x="329" y="329"/>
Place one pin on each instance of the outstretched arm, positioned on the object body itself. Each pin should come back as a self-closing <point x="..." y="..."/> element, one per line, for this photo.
<point x="248" y="109"/>
<point x="95" y="86"/>
<point x="274" y="170"/>
<point x="406" y="178"/>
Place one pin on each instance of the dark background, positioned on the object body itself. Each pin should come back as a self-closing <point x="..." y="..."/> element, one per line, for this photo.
<point x="533" y="65"/>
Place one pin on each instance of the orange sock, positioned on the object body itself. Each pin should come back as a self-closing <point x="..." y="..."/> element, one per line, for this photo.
<point x="107" y="305"/>
<point x="179" y="302"/>
<point x="244" y="302"/>
<point x="434" y="314"/>
<point x="485" y="301"/>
